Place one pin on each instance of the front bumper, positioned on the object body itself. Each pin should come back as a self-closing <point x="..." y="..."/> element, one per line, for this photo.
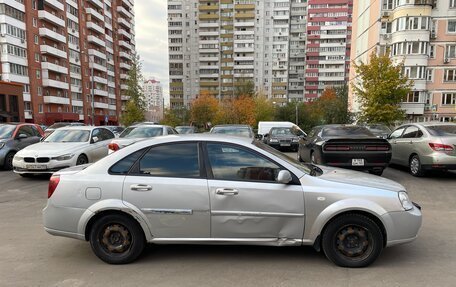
<point x="279" y="146"/>
<point x="3" y="153"/>
<point x="402" y="226"/>
<point x="21" y="167"/>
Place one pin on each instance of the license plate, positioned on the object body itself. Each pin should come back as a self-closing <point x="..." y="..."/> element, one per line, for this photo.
<point x="285" y="144"/>
<point x="36" y="166"/>
<point x="358" y="162"/>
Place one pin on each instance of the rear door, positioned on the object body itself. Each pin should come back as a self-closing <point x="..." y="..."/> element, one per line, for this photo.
<point x="169" y="185"/>
<point x="245" y="198"/>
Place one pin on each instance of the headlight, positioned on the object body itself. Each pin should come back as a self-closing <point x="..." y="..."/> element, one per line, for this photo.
<point x="405" y="201"/>
<point x="295" y="140"/>
<point x="64" y="157"/>
<point x="273" y="140"/>
<point x="16" y="157"/>
<point x="2" y="145"/>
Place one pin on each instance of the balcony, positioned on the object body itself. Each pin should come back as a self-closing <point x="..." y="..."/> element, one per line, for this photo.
<point x="123" y="76"/>
<point x="46" y="16"/>
<point x="55" y="4"/>
<point x="124" y="87"/>
<point x="55" y="84"/>
<point x="53" y="67"/>
<point x="125" y="55"/>
<point x="413" y="108"/>
<point x="124" y="33"/>
<point x="125" y="66"/>
<point x="56" y="100"/>
<point x="95" y="27"/>
<point x="77" y="103"/>
<point x="112" y="107"/>
<point x="47" y="33"/>
<point x="125" y="45"/>
<point x="98" y="67"/>
<point x="93" y="52"/>
<point x="99" y="105"/>
<point x="124" y="11"/>
<point x="125" y="98"/>
<point x="101" y="93"/>
<point x="96" y="40"/>
<point x="28" y="115"/>
<point x="97" y="3"/>
<point x="46" y="49"/>
<point x="124" y="22"/>
<point x="95" y="14"/>
<point x="100" y="80"/>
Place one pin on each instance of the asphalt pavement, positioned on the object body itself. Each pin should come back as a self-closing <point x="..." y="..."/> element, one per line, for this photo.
<point x="31" y="257"/>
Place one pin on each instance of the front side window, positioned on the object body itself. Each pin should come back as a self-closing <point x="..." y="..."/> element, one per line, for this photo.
<point x="26" y="130"/>
<point x="397" y="133"/>
<point x="412" y="132"/>
<point x="171" y="160"/>
<point x="231" y="162"/>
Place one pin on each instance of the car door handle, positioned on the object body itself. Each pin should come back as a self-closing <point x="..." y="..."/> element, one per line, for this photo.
<point x="140" y="187"/>
<point x="226" y="191"/>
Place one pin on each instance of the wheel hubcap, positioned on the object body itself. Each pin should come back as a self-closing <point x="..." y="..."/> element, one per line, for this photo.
<point x="353" y="242"/>
<point x="115" y="238"/>
<point x="414" y="165"/>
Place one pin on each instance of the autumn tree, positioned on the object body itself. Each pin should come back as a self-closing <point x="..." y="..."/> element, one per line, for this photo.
<point x="204" y="109"/>
<point x="264" y="108"/>
<point x="136" y="106"/>
<point x="237" y="111"/>
<point x="332" y="106"/>
<point x="171" y="118"/>
<point x="244" y="88"/>
<point x="380" y="87"/>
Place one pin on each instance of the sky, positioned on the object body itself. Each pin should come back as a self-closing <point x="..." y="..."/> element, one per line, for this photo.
<point x="151" y="37"/>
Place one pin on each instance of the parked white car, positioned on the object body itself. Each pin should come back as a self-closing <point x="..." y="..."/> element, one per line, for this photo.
<point x="139" y="132"/>
<point x="65" y="147"/>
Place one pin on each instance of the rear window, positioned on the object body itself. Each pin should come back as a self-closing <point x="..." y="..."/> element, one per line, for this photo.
<point x="142" y="132"/>
<point x="442" y="130"/>
<point x="346" y="131"/>
<point x="234" y="131"/>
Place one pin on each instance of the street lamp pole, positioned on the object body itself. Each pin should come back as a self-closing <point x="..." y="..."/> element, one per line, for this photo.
<point x="93" y="93"/>
<point x="296" y="113"/>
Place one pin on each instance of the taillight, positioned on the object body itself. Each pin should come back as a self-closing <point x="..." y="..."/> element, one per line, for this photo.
<point x="113" y="147"/>
<point x="441" y="147"/>
<point x="337" y="148"/>
<point x="377" y="148"/>
<point x="53" y="182"/>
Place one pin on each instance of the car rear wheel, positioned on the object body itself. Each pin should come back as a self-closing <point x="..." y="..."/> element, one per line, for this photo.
<point x="352" y="240"/>
<point x="117" y="239"/>
<point x="82" y="159"/>
<point x="8" y="165"/>
<point x="415" y="166"/>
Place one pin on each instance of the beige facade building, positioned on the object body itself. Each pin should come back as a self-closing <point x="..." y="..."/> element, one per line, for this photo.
<point x="422" y="34"/>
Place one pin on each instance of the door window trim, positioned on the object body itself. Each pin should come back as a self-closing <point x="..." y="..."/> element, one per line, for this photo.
<point x="210" y="174"/>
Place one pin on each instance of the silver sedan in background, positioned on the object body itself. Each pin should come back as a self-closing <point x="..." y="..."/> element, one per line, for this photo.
<point x="209" y="189"/>
<point x="424" y="146"/>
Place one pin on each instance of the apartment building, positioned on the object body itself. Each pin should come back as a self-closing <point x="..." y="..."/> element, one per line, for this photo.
<point x="71" y="57"/>
<point x="153" y="96"/>
<point x="329" y="26"/>
<point x="420" y="33"/>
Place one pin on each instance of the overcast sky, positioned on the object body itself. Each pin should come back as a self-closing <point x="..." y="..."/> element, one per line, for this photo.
<point x="152" y="40"/>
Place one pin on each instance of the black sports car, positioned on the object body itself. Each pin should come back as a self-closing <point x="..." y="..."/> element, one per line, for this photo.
<point x="346" y="146"/>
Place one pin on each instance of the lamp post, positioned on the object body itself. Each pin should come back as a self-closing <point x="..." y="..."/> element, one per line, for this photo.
<point x="296" y="112"/>
<point x="93" y="91"/>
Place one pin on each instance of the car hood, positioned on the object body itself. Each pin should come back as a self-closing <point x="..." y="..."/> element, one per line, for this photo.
<point x="359" y="178"/>
<point x="48" y="149"/>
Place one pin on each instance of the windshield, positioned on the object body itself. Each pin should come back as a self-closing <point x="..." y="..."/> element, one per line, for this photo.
<point x="346" y="131"/>
<point x="68" y="136"/>
<point x="58" y="125"/>
<point x="442" y="130"/>
<point x="234" y="131"/>
<point x="185" y="130"/>
<point x="282" y="132"/>
<point x="304" y="167"/>
<point x="141" y="132"/>
<point x="6" y="131"/>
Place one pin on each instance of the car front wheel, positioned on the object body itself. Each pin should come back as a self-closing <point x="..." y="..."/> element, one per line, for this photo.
<point x="352" y="240"/>
<point x="117" y="239"/>
<point x="8" y="165"/>
<point x="82" y="159"/>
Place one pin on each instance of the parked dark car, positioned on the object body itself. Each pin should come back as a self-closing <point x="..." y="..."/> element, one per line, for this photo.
<point x="234" y="130"/>
<point x="186" y="129"/>
<point x="283" y="138"/>
<point x="379" y="130"/>
<point x="55" y="126"/>
<point x="346" y="146"/>
<point x="14" y="137"/>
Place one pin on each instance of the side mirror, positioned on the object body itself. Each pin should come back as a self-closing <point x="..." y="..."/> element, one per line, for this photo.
<point x="22" y="136"/>
<point x="284" y="177"/>
<point x="94" y="139"/>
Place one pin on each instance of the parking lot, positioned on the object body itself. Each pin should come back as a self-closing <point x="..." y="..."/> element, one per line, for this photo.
<point x="31" y="257"/>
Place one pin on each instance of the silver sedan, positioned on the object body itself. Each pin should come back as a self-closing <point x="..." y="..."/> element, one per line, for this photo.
<point x="424" y="146"/>
<point x="209" y="189"/>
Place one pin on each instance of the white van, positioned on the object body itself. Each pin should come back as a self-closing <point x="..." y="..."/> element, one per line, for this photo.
<point x="265" y="127"/>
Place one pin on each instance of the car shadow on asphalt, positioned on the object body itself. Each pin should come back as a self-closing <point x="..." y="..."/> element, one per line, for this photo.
<point x="438" y="174"/>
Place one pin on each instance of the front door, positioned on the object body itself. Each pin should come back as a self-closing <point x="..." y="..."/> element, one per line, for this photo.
<point x="170" y="187"/>
<point x="395" y="141"/>
<point x="246" y="200"/>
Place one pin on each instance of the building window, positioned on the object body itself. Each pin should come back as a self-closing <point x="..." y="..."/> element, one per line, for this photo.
<point x="432" y="51"/>
<point x="452" y="3"/>
<point x="450" y="51"/>
<point x="430" y="75"/>
<point x="451" y="26"/>
<point x="40" y="91"/>
<point x="34" y="4"/>
<point x="37" y="57"/>
<point x="412" y="97"/>
<point x="449" y="99"/>
<point x="38" y="74"/>
<point x="35" y="22"/>
<point x="36" y="39"/>
<point x="40" y="108"/>
<point x="449" y="75"/>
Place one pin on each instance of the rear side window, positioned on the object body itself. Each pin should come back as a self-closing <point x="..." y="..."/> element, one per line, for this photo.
<point x="171" y="160"/>
<point x="124" y="165"/>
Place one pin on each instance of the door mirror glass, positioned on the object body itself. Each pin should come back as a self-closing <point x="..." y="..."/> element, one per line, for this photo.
<point x="284" y="177"/>
<point x="94" y="139"/>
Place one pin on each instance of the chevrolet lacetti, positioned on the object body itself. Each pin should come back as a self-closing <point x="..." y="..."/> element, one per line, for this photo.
<point x="210" y="189"/>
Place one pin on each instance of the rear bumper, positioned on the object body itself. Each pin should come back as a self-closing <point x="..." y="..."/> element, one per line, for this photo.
<point x="372" y="160"/>
<point x="438" y="160"/>
<point x="62" y="221"/>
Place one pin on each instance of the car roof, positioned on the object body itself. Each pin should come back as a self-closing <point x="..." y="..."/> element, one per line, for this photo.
<point x="79" y="128"/>
<point x="148" y="125"/>
<point x="427" y="124"/>
<point x="232" y="126"/>
<point x="196" y="137"/>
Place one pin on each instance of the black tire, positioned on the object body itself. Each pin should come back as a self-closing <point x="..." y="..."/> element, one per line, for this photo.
<point x="378" y="172"/>
<point x="8" y="164"/>
<point x="415" y="167"/>
<point x="82" y="159"/>
<point x="117" y="239"/>
<point x="352" y="240"/>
